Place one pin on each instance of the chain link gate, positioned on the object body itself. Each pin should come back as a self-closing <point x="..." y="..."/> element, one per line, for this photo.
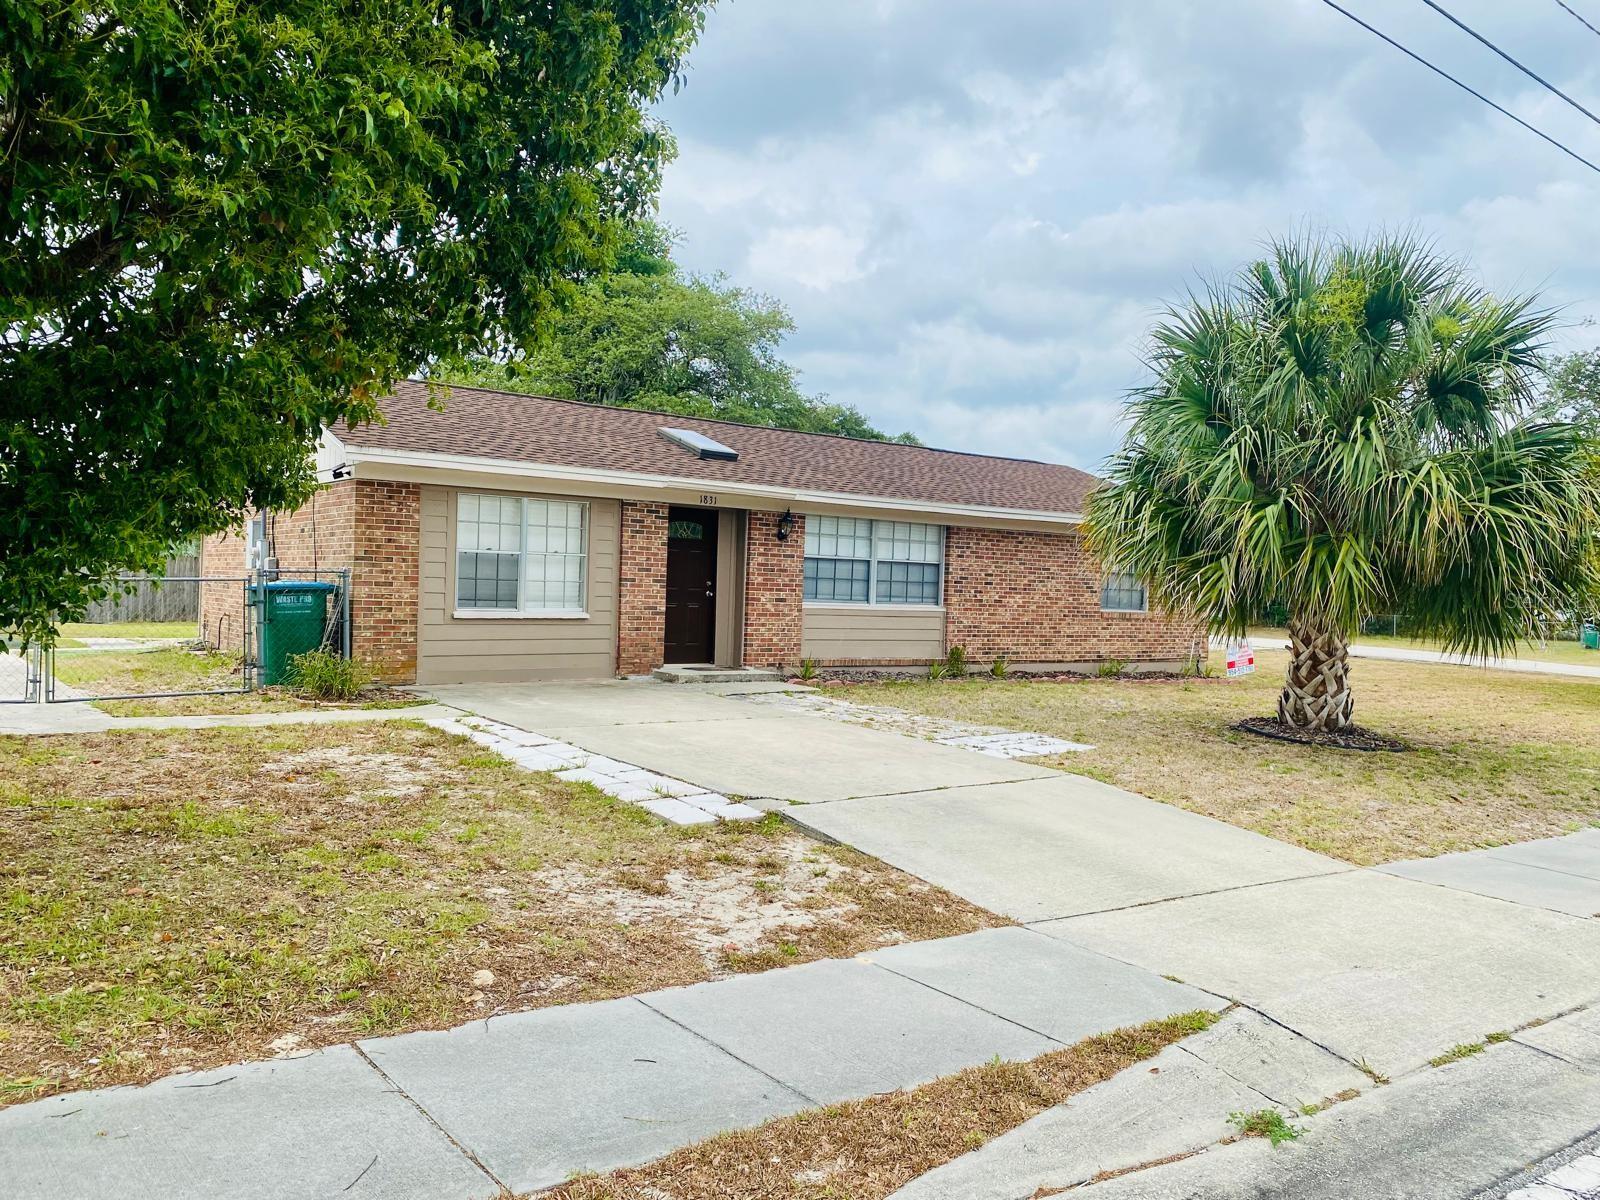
<point x="20" y="672"/>
<point x="218" y="654"/>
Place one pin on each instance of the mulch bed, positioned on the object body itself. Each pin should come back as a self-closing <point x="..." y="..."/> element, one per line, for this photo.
<point x="1351" y="737"/>
<point x="849" y="675"/>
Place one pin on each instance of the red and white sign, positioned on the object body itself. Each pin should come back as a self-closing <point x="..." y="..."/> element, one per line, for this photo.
<point x="1241" y="659"/>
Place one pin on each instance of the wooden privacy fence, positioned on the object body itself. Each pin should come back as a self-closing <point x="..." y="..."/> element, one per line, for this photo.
<point x="146" y="598"/>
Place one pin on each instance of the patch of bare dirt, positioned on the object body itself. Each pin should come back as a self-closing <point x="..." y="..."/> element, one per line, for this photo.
<point x="736" y="909"/>
<point x="360" y="770"/>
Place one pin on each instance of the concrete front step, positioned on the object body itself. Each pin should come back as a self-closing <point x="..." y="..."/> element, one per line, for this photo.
<point x="708" y="674"/>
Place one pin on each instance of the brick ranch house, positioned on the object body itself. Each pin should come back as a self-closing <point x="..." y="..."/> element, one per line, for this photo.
<point x="513" y="537"/>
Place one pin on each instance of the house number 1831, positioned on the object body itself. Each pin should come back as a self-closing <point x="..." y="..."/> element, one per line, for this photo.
<point x="708" y="501"/>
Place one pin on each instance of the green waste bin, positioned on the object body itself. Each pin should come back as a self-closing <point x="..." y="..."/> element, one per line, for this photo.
<point x="1591" y="637"/>
<point x="294" y="616"/>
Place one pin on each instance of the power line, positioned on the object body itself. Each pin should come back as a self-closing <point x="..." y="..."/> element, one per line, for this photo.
<point x="1534" y="75"/>
<point x="1578" y="17"/>
<point x="1464" y="87"/>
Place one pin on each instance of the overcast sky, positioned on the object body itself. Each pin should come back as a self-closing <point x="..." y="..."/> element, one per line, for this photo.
<point x="975" y="210"/>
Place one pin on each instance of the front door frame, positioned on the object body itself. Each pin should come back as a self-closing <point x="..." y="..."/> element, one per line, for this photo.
<point x="710" y="519"/>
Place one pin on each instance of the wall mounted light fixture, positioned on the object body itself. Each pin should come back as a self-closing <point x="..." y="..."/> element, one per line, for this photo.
<point x="785" y="525"/>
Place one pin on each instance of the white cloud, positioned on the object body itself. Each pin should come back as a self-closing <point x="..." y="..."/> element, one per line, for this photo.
<point x="976" y="212"/>
<point x="816" y="256"/>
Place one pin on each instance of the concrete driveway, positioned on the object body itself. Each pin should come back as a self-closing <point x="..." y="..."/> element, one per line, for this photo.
<point x="1060" y="846"/>
<point x="690" y="732"/>
<point x="1386" y="967"/>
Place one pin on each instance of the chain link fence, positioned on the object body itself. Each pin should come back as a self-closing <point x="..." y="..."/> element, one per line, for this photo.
<point x="19" y="676"/>
<point x="151" y="657"/>
<point x="217" y="647"/>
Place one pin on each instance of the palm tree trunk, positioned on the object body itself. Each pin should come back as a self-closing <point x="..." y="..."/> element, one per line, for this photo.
<point x="1316" y="687"/>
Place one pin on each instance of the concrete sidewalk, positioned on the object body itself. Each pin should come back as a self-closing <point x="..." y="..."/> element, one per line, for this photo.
<point x="1559" y="873"/>
<point x="1440" y="1134"/>
<point x="524" y="1101"/>
<point x="75" y="717"/>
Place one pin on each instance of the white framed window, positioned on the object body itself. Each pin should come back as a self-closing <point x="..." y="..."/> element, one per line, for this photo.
<point x="1123" y="592"/>
<point x="850" y="560"/>
<point x="519" y="555"/>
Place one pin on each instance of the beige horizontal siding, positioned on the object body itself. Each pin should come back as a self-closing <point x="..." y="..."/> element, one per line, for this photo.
<point x="872" y="633"/>
<point x="454" y="649"/>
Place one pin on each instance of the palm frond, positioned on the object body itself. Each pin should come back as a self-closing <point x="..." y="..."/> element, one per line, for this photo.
<point x="1343" y="428"/>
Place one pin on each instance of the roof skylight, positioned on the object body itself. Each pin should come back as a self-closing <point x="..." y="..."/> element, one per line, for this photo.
<point x="700" y="444"/>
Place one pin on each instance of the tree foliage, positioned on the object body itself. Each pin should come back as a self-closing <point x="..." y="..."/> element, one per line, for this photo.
<point x="649" y="336"/>
<point x="224" y="226"/>
<point x="1572" y="390"/>
<point x="1350" y="429"/>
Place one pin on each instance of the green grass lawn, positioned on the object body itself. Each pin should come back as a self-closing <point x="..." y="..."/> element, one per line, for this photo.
<point x="129" y="672"/>
<point x="177" y="899"/>
<point x="131" y="629"/>
<point x="1569" y="653"/>
<point x="171" y="669"/>
<point x="1499" y="757"/>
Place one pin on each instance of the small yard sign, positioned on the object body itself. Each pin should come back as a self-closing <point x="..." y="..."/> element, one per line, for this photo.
<point x="1241" y="659"/>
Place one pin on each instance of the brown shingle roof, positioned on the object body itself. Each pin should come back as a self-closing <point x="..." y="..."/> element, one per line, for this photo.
<point x="536" y="429"/>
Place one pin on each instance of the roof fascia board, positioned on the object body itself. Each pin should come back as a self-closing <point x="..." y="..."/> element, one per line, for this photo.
<point x="424" y="467"/>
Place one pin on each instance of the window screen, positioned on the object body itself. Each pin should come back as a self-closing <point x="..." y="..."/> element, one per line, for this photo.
<point x="1122" y="592"/>
<point x="837" y="579"/>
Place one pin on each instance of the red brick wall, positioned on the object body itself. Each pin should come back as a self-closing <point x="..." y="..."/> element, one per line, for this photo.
<point x="1035" y="597"/>
<point x="221" y="604"/>
<point x="642" y="588"/>
<point x="773" y="587"/>
<point x="385" y="585"/>
<point x="370" y="526"/>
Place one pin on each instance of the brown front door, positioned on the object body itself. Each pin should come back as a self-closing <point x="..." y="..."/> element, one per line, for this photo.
<point x="691" y="585"/>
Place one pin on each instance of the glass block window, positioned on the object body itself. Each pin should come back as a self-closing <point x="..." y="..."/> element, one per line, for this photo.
<point x="1122" y="592"/>
<point x="521" y="555"/>
<point x="854" y="561"/>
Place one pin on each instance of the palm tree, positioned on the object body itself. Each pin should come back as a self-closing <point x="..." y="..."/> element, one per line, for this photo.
<point x="1346" y="428"/>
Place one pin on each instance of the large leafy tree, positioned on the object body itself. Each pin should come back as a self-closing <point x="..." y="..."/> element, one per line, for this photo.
<point x="1346" y="428"/>
<point x="650" y="336"/>
<point x="223" y="226"/>
<point x="1572" y="390"/>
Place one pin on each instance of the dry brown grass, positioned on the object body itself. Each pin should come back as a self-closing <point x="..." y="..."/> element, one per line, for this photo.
<point x="870" y="1148"/>
<point x="1498" y="757"/>
<point x="177" y="899"/>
